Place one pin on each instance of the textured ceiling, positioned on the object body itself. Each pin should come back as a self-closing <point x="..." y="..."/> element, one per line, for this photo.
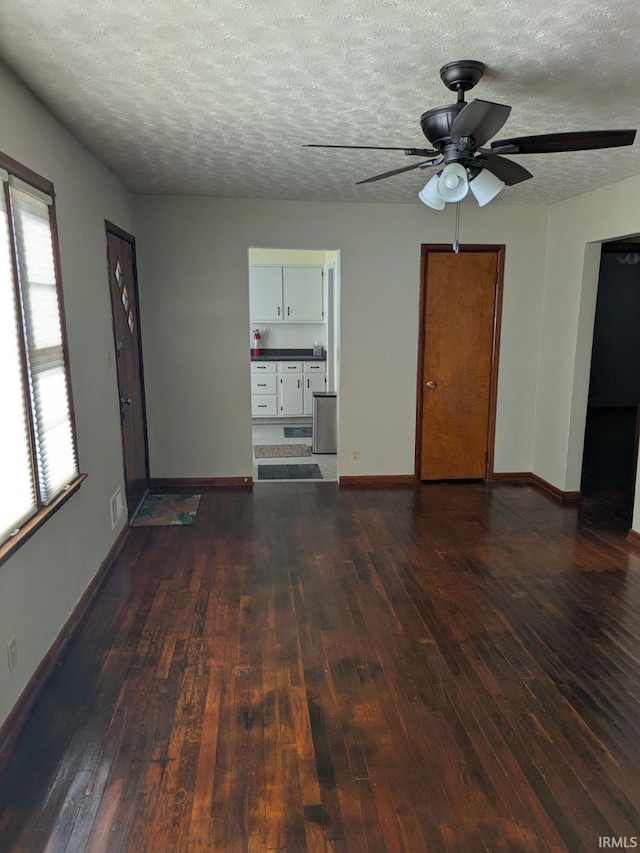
<point x="217" y="97"/>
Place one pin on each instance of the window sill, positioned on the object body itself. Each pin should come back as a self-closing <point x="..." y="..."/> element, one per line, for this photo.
<point x="8" y="548"/>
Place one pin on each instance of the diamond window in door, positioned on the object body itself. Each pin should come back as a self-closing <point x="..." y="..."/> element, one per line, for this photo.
<point x="124" y="296"/>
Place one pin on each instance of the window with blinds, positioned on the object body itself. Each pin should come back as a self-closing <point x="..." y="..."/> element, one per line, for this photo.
<point x="38" y="458"/>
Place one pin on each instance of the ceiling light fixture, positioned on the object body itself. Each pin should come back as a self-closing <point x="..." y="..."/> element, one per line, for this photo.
<point x="453" y="183"/>
<point x="429" y="194"/>
<point x="485" y="186"/>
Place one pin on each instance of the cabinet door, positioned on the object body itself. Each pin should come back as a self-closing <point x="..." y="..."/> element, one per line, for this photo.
<point x="265" y="293"/>
<point x="315" y="382"/>
<point x="302" y="288"/>
<point x="291" y="401"/>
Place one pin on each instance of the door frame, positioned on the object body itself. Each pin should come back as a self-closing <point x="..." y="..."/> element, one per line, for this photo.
<point x="437" y="248"/>
<point x="111" y="228"/>
<point x="329" y="307"/>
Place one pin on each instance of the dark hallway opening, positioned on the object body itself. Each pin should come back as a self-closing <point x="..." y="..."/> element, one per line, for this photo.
<point x="611" y="434"/>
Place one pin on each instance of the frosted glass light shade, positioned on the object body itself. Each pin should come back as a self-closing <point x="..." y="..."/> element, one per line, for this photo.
<point x="453" y="184"/>
<point x="485" y="187"/>
<point x="429" y="194"/>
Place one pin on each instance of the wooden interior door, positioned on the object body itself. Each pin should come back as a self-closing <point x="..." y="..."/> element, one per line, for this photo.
<point x="123" y="287"/>
<point x="458" y="367"/>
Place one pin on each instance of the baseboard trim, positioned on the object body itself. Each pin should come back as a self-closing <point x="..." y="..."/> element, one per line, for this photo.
<point x="534" y="480"/>
<point x="14" y="724"/>
<point x="634" y="538"/>
<point x="512" y="477"/>
<point x="554" y="491"/>
<point x="200" y="482"/>
<point x="378" y="480"/>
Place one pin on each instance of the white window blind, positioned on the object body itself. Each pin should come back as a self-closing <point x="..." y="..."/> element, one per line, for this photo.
<point x="48" y="389"/>
<point x="17" y="491"/>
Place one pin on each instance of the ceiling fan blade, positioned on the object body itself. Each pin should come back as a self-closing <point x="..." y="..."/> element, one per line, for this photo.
<point x="480" y="120"/>
<point x="419" y="152"/>
<point x="552" y="143"/>
<point x="508" y="171"/>
<point x="395" y="172"/>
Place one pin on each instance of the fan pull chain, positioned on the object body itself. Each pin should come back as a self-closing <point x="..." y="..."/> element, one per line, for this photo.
<point x="456" y="244"/>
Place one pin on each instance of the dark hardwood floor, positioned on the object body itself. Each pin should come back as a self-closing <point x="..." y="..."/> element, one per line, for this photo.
<point x="310" y="668"/>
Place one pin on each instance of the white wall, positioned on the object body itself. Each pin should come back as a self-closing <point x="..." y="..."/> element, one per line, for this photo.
<point x="192" y="255"/>
<point x="575" y="231"/>
<point x="43" y="581"/>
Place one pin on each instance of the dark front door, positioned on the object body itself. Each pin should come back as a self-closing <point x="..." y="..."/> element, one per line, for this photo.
<point x="457" y="370"/>
<point x="123" y="287"/>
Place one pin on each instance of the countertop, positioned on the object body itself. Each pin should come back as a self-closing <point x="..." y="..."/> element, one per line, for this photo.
<point x="288" y="355"/>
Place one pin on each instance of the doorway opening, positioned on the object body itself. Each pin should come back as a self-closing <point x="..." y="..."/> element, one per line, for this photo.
<point x="612" y="428"/>
<point x="294" y="299"/>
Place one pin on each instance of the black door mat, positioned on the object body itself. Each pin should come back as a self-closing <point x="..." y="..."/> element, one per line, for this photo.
<point x="289" y="472"/>
<point x="297" y="432"/>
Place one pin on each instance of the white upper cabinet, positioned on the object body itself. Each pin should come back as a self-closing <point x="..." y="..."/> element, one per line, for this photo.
<point x="287" y="293"/>
<point x="265" y="293"/>
<point x="302" y="287"/>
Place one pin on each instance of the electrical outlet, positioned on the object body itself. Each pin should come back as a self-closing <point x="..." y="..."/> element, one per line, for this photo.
<point x="355" y="455"/>
<point x="116" y="505"/>
<point x="12" y="653"/>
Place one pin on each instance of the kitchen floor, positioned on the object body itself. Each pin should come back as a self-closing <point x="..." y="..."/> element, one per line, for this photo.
<point x="272" y="432"/>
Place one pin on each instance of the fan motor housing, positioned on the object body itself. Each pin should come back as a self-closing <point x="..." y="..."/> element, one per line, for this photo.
<point x="436" y="123"/>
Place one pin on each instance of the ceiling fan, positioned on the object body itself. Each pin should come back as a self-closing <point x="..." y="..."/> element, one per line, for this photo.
<point x="458" y="133"/>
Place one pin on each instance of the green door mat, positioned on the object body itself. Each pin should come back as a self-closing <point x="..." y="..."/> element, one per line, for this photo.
<point x="167" y="510"/>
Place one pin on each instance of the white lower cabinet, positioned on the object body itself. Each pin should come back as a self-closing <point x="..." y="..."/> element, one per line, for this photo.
<point x="315" y="379"/>
<point x="264" y="389"/>
<point x="285" y="388"/>
<point x="313" y="382"/>
<point x="291" y="399"/>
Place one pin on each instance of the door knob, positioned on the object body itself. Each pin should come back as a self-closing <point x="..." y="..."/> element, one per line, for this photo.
<point x="125" y="401"/>
<point x="430" y="384"/>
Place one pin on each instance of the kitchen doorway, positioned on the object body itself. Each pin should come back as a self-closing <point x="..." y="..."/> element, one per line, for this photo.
<point x="293" y="333"/>
<point x="612" y="429"/>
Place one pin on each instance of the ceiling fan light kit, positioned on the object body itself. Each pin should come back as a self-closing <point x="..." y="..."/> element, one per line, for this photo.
<point x="430" y="196"/>
<point x="453" y="184"/>
<point x="485" y="187"/>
